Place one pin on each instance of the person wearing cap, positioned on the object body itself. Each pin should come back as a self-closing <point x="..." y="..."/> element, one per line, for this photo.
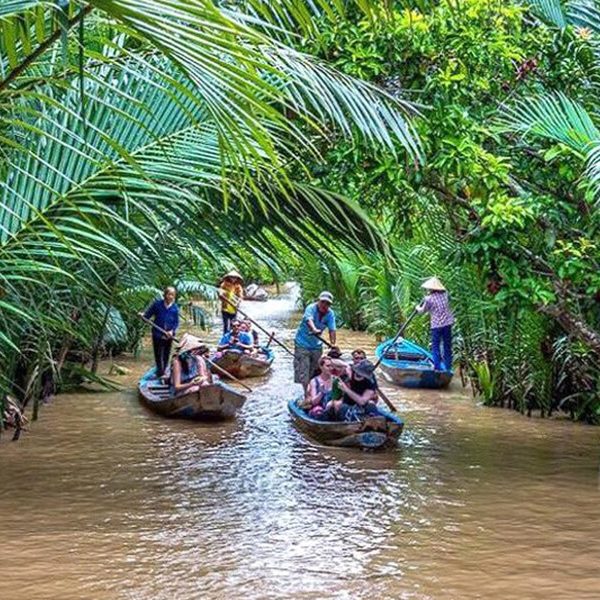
<point x="189" y="370"/>
<point x="437" y="304"/>
<point x="166" y="317"/>
<point x="231" y="292"/>
<point x="359" y="394"/>
<point x="308" y="348"/>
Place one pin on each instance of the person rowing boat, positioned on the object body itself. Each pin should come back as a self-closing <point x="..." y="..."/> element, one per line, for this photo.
<point x="231" y="292"/>
<point x="308" y="348"/>
<point x="166" y="321"/>
<point x="437" y="304"/>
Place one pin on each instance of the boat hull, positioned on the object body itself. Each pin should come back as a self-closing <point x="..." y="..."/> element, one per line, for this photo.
<point x="210" y="403"/>
<point x="243" y="365"/>
<point x="373" y="433"/>
<point x="413" y="367"/>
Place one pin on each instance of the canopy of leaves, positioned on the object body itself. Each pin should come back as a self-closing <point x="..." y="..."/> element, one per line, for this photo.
<point x="505" y="209"/>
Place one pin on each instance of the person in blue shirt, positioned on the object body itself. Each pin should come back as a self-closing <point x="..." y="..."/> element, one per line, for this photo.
<point x="318" y="316"/>
<point x="235" y="339"/>
<point x="166" y="316"/>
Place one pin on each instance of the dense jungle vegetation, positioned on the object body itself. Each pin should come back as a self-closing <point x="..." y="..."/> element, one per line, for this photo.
<point x="505" y="208"/>
<point x="147" y="142"/>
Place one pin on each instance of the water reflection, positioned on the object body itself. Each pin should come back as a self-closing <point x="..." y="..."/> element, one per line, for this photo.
<point x="107" y="501"/>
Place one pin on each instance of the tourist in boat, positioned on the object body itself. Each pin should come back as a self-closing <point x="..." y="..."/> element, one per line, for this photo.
<point x="189" y="370"/>
<point x="236" y="339"/>
<point x="358" y="355"/>
<point x="318" y="392"/>
<point x="231" y="292"/>
<point x="338" y="366"/>
<point x="334" y="352"/>
<point x="166" y="317"/>
<point x="437" y="304"/>
<point x="354" y="397"/>
<point x="246" y="327"/>
<point x="308" y="348"/>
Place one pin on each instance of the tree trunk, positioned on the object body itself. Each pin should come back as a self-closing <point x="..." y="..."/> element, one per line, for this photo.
<point x="573" y="325"/>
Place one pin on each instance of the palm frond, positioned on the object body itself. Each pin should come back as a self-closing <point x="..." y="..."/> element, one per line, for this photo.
<point x="551" y="11"/>
<point x="584" y="14"/>
<point x="554" y="117"/>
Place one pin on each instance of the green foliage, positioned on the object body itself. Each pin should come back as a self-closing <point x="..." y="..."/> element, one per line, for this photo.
<point x="128" y="163"/>
<point x="505" y="207"/>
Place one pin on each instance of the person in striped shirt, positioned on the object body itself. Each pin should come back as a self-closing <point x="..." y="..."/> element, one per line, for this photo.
<point x="437" y="304"/>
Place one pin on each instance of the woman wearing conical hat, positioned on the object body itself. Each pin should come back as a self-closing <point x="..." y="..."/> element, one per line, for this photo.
<point x="188" y="368"/>
<point x="437" y="304"/>
<point x="231" y="292"/>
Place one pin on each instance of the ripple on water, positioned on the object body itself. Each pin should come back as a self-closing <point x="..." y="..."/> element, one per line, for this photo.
<point x="106" y="501"/>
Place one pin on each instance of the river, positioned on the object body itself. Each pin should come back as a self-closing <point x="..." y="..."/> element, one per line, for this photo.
<point x="102" y="500"/>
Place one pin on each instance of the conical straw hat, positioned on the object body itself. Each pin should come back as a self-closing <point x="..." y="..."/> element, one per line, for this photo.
<point x="188" y="342"/>
<point x="233" y="274"/>
<point x="434" y="284"/>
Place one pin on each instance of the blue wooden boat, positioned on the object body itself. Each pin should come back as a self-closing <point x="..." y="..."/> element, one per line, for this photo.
<point x="210" y="402"/>
<point x="241" y="364"/>
<point x="409" y="365"/>
<point x="381" y="431"/>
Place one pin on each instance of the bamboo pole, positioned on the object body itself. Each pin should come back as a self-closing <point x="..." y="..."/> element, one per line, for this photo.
<point x="257" y="324"/>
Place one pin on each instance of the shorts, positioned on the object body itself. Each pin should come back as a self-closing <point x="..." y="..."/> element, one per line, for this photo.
<point x="306" y="364"/>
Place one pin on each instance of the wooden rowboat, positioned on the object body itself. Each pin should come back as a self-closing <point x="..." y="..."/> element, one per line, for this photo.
<point x="409" y="365"/>
<point x="212" y="402"/>
<point x="241" y="365"/>
<point x="381" y="431"/>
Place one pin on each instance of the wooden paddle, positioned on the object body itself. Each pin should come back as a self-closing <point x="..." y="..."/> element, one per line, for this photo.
<point x="210" y="362"/>
<point x="322" y="339"/>
<point x="379" y="392"/>
<point x="272" y="335"/>
<point x="400" y="332"/>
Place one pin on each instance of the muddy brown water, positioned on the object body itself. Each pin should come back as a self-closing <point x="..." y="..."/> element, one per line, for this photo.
<point x="102" y="500"/>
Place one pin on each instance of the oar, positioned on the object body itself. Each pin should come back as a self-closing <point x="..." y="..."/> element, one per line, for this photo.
<point x="257" y="325"/>
<point x="400" y="332"/>
<point x="210" y="362"/>
<point x="386" y="400"/>
<point x="379" y="392"/>
<point x="322" y="339"/>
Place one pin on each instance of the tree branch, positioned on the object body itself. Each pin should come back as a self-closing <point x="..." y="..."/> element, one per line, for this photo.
<point x="28" y="60"/>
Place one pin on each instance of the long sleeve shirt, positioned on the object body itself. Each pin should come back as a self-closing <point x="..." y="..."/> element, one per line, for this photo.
<point x="437" y="305"/>
<point x="165" y="317"/>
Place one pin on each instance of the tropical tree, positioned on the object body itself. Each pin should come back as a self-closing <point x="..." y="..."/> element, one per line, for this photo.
<point x="143" y="140"/>
<point x="505" y="209"/>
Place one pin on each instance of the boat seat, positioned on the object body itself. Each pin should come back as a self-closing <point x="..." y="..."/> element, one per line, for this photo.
<point x="408" y="356"/>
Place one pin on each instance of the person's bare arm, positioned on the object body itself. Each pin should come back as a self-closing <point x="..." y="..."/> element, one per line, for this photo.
<point x="312" y="395"/>
<point x="333" y="337"/>
<point x="312" y="327"/>
<point x="204" y="374"/>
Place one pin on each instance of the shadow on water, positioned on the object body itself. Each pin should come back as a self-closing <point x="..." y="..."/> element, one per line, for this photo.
<point x="104" y="500"/>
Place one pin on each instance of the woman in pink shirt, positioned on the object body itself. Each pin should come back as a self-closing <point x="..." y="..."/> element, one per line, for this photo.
<point x="437" y="304"/>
